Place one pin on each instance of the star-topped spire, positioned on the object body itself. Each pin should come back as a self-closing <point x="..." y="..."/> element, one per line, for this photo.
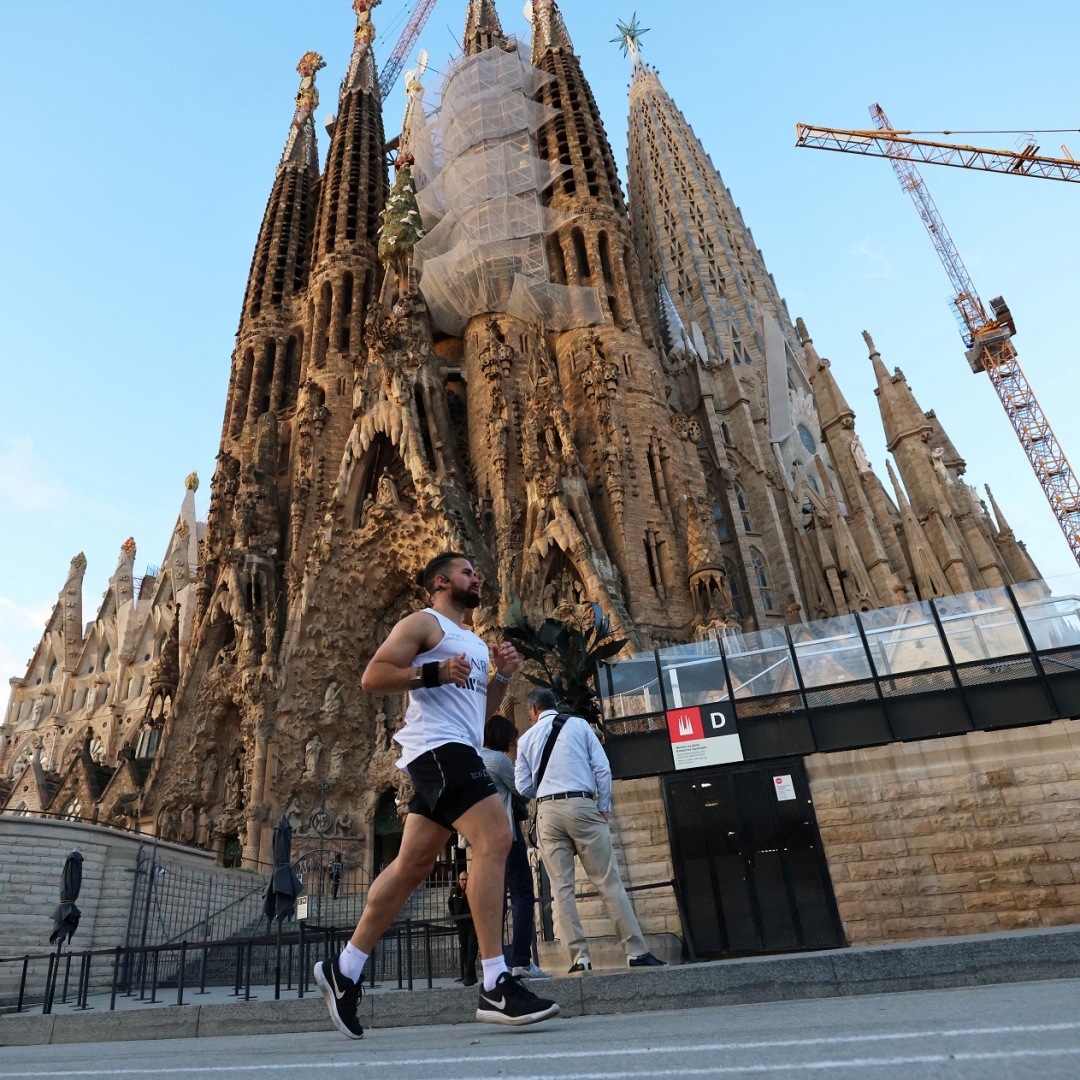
<point x="629" y="38"/>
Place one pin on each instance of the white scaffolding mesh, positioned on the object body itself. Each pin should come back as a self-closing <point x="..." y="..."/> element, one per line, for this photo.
<point x="479" y="182"/>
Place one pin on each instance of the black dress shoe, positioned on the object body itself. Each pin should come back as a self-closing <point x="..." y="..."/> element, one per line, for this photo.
<point x="469" y="982"/>
<point x="580" y="967"/>
<point x="644" y="960"/>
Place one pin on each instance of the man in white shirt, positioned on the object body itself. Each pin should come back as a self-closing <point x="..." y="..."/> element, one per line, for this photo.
<point x="574" y="804"/>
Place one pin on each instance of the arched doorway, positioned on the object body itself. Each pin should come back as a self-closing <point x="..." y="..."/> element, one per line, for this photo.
<point x="388" y="828"/>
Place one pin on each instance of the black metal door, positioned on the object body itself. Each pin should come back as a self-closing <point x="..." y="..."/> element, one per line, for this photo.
<point x="749" y="864"/>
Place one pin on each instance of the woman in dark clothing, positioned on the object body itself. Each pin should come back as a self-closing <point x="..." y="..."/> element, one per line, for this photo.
<point x="500" y="735"/>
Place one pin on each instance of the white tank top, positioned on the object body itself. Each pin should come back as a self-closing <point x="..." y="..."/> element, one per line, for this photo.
<point x="449" y="713"/>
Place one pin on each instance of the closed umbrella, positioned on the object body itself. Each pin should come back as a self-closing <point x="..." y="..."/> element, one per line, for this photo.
<point x="284" y="886"/>
<point x="66" y="916"/>
<point x="281" y="890"/>
<point x="65" y="919"/>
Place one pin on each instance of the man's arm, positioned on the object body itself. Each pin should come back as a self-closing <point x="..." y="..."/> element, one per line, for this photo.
<point x="391" y="669"/>
<point x="601" y="770"/>
<point x="507" y="660"/>
<point x="523" y="774"/>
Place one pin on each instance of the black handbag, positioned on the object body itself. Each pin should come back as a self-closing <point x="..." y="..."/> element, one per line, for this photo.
<point x="556" y="726"/>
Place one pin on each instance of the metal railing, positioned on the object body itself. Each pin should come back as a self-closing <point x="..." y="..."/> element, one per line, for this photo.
<point x="410" y="952"/>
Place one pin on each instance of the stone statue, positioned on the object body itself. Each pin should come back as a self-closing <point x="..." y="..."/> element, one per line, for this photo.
<point x="386" y="491"/>
<point x="37" y="711"/>
<point x="312" y="753"/>
<point x="209" y="775"/>
<point x="862" y="463"/>
<point x="330" y="713"/>
<point x="337" y="763"/>
<point x="938" y="458"/>
<point x="232" y="788"/>
<point x="187" y="824"/>
<point x="382" y="732"/>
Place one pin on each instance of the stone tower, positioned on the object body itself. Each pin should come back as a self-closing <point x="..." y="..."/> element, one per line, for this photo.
<point x="801" y="514"/>
<point x="288" y="416"/>
<point x="648" y="489"/>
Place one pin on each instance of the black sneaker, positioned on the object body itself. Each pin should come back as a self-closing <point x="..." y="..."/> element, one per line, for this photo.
<point x="645" y="960"/>
<point x="511" y="1003"/>
<point x="342" y="997"/>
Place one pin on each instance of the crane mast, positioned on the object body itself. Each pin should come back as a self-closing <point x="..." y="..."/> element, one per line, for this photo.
<point x="393" y="67"/>
<point x="990" y="349"/>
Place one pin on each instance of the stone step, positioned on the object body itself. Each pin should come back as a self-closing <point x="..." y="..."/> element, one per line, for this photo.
<point x="1018" y="956"/>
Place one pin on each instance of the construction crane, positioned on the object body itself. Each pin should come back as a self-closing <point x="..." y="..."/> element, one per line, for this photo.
<point x="393" y="67"/>
<point x="987" y="335"/>
<point x="1023" y="162"/>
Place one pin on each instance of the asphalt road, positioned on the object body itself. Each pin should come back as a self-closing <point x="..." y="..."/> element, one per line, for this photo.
<point x="1010" y="1032"/>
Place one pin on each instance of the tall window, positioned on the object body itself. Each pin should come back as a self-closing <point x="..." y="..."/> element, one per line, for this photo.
<point x="807" y="438"/>
<point x="52" y="672"/>
<point x="734" y="588"/>
<point x="761" y="576"/>
<point x="744" y="508"/>
<point x="105" y="657"/>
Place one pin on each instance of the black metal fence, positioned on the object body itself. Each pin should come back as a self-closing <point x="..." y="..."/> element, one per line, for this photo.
<point x="410" y="952"/>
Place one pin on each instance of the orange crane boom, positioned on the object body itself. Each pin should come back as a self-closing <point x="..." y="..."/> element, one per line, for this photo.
<point x="392" y="68"/>
<point x="885" y="143"/>
<point x="988" y="336"/>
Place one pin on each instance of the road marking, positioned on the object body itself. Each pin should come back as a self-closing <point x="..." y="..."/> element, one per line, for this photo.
<point x="838" y="1040"/>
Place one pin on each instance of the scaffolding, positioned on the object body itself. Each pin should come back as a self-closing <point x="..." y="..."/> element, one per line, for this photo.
<point x="479" y="185"/>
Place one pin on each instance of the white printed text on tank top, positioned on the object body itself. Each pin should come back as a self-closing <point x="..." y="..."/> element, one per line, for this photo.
<point x="445" y="714"/>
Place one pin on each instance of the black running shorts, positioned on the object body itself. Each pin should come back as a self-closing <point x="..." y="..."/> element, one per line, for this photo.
<point x="449" y="780"/>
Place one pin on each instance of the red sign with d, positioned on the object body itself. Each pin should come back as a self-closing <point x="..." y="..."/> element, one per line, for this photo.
<point x="684" y="725"/>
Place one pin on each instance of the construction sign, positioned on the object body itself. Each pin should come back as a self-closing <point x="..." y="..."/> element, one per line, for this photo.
<point x="704" y="735"/>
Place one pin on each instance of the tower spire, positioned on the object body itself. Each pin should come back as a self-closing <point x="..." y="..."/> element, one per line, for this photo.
<point x="483" y="28"/>
<point x="549" y="29"/>
<point x="629" y="37"/>
<point x="362" y="74"/>
<point x="302" y="147"/>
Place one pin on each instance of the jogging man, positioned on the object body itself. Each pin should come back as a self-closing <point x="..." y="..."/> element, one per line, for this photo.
<point x="444" y="668"/>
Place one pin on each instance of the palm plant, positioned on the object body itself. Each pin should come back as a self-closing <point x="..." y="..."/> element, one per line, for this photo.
<point x="563" y="656"/>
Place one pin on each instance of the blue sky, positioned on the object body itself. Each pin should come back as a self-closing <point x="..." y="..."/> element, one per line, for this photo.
<point x="140" y="139"/>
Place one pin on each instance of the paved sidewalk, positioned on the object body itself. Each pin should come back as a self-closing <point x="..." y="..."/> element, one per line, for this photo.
<point x="1022" y="1031"/>
<point x="1022" y="956"/>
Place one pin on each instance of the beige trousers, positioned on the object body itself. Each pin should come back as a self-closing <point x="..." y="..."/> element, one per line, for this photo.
<point x="569" y="827"/>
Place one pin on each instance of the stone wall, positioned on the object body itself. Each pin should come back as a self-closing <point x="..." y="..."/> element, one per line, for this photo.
<point x="32" y="854"/>
<point x="971" y="834"/>
<point x="640" y="835"/>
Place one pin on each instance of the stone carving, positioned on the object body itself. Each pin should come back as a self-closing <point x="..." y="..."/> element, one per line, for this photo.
<point x="209" y="776"/>
<point x="859" y="454"/>
<point x="337" y="763"/>
<point x="312" y="753"/>
<point x="330" y="712"/>
<point x="187" y="824"/>
<point x="232" y="788"/>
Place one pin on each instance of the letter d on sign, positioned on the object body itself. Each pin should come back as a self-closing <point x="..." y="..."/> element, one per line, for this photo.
<point x="718" y="720"/>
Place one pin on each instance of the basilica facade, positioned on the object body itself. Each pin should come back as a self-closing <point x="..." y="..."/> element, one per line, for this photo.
<point x="598" y="393"/>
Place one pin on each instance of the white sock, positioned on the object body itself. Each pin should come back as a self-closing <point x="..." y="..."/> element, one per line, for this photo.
<point x="351" y="962"/>
<point x="492" y="970"/>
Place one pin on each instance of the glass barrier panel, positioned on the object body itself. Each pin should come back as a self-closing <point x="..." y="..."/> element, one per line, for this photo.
<point x="981" y="625"/>
<point x="759" y="663"/>
<point x="1052" y="621"/>
<point x="631" y="687"/>
<point x="830" y="651"/>
<point x="903" y="638"/>
<point x="693" y="674"/>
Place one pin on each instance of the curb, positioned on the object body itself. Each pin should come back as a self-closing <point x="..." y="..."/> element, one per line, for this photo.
<point x="1018" y="956"/>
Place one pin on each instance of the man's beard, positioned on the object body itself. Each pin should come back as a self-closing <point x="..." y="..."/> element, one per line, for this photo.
<point x="465" y="597"/>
